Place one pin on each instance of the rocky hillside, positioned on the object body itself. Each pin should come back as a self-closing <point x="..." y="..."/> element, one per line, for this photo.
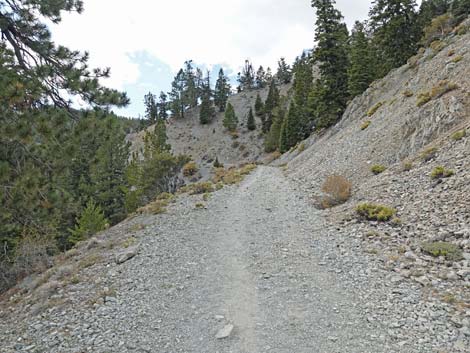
<point x="206" y="142"/>
<point x="414" y="124"/>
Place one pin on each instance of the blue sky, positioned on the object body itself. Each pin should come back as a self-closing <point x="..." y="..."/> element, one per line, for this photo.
<point x="146" y="42"/>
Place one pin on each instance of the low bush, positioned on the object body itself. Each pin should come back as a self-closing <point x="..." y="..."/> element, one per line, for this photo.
<point x="408" y="93"/>
<point x="190" y="169"/>
<point x="457" y="136"/>
<point x="428" y="154"/>
<point x="450" y="251"/>
<point x="301" y="147"/>
<point x="377" y="169"/>
<point x="338" y="190"/>
<point x="457" y="59"/>
<point x="440" y="172"/>
<point x="232" y="175"/>
<point x="407" y="166"/>
<point x="374" y="109"/>
<point x="375" y="212"/>
<point x="437" y="45"/>
<point x="365" y="124"/>
<point x="437" y="91"/>
<point x="155" y="207"/>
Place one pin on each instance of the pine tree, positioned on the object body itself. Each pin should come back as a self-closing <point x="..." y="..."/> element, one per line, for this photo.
<point x="251" y="124"/>
<point x="177" y="101"/>
<point x="222" y="91"/>
<point x="361" y="69"/>
<point x="395" y="32"/>
<point x="151" y="108"/>
<point x="163" y="106"/>
<point x="273" y="137"/>
<point x="207" y="110"/>
<point x="91" y="221"/>
<point x="246" y="78"/>
<point x="291" y="129"/>
<point x="230" y="119"/>
<point x="260" y="78"/>
<point x="190" y="90"/>
<point x="271" y="102"/>
<point x="55" y="69"/>
<point x="331" y="35"/>
<point x="269" y="75"/>
<point x="259" y="106"/>
<point x="284" y="74"/>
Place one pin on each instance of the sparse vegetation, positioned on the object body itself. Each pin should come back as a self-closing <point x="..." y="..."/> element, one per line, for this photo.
<point x="377" y="169"/>
<point x="200" y="206"/>
<point x="437" y="45"/>
<point x="154" y="207"/>
<point x="365" y="124"/>
<point x="375" y="212"/>
<point x="232" y="175"/>
<point x="338" y="190"/>
<point x="441" y="172"/>
<point x="428" y="154"/>
<point x="437" y="91"/>
<point x="190" y="169"/>
<point x="457" y="59"/>
<point x="408" y="93"/>
<point x="301" y="147"/>
<point x="374" y="109"/>
<point x="450" y="251"/>
<point x="457" y="136"/>
<point x="407" y="166"/>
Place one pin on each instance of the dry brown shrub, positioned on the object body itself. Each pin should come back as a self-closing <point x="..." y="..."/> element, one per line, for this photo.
<point x="337" y="189"/>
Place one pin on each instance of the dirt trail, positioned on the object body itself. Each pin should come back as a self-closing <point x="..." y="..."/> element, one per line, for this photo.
<point x="251" y="259"/>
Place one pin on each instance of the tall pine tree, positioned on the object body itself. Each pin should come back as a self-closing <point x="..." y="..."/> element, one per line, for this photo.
<point x="222" y="91"/>
<point x="331" y="89"/>
<point x="230" y="119"/>
<point x="151" y="108"/>
<point x="251" y="123"/>
<point x="271" y="103"/>
<point x="207" y="110"/>
<point x="395" y="32"/>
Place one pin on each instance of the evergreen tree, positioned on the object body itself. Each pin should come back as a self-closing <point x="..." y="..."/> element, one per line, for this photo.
<point x="360" y="73"/>
<point x="246" y="78"/>
<point x="284" y="74"/>
<point x="260" y="78"/>
<point x="190" y="89"/>
<point x="163" y="106"/>
<point x="331" y="36"/>
<point x="291" y="129"/>
<point x="151" y="108"/>
<point x="91" y="221"/>
<point x="230" y="119"/>
<point x="269" y="75"/>
<point x="273" y="137"/>
<point x="460" y="9"/>
<point x="222" y="91"/>
<point x="271" y="102"/>
<point x="259" y="106"/>
<point x="251" y="124"/>
<point x="207" y="110"/>
<point x="55" y="69"/>
<point x="395" y="32"/>
<point x="177" y="101"/>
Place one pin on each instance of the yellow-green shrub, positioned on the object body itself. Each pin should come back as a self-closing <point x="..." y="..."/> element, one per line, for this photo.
<point x="450" y="251"/>
<point x="459" y="135"/>
<point x="441" y="172"/>
<point x="374" y="109"/>
<point x="365" y="124"/>
<point x="377" y="169"/>
<point x="375" y="212"/>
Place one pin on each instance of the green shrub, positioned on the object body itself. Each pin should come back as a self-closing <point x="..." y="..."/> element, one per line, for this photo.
<point x="407" y="166"/>
<point x="374" y="109"/>
<point x="439" y="27"/>
<point x="301" y="147"/>
<point x="459" y="135"/>
<point x="190" y="169"/>
<point x="441" y="172"/>
<point x="408" y="93"/>
<point x="450" y="251"/>
<point x="437" y="91"/>
<point x="201" y="188"/>
<point x="375" y="212"/>
<point x="423" y="98"/>
<point x="437" y="45"/>
<point x="428" y="154"/>
<point x="217" y="164"/>
<point x="457" y="59"/>
<point x="377" y="169"/>
<point x="365" y="124"/>
<point x="90" y="222"/>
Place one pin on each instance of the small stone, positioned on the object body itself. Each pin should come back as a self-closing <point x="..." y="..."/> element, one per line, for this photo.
<point x="126" y="255"/>
<point x="225" y="332"/>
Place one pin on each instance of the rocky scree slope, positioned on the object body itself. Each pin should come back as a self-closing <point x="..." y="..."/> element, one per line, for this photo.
<point x="411" y="122"/>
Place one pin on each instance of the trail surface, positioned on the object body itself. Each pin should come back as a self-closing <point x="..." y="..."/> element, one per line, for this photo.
<point x="255" y="263"/>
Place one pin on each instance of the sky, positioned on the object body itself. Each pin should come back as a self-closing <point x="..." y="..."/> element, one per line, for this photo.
<point x="145" y="42"/>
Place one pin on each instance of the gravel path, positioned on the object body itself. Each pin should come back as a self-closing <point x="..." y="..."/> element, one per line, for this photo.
<point x="256" y="265"/>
